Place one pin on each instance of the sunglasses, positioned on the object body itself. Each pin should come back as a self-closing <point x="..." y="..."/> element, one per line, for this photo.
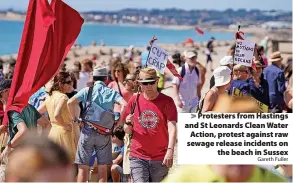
<point x="67" y="82"/>
<point x="148" y="83"/>
<point x="127" y="80"/>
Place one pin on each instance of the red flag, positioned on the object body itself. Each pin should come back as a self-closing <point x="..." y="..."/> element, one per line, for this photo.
<point x="238" y="35"/>
<point x="173" y="70"/>
<point x="198" y="30"/>
<point x="48" y="34"/>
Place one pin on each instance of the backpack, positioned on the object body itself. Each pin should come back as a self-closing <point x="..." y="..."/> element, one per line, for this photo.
<point x="184" y="71"/>
<point x="96" y="117"/>
<point x="201" y="102"/>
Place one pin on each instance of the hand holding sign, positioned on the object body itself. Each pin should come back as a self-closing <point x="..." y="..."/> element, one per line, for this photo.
<point x="153" y="40"/>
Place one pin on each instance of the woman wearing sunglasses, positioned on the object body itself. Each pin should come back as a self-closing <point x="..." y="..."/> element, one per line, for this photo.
<point x="241" y="74"/>
<point x="118" y="74"/>
<point x="56" y="106"/>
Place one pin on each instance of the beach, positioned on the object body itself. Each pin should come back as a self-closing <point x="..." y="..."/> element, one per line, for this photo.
<point x="221" y="47"/>
<point x="79" y="53"/>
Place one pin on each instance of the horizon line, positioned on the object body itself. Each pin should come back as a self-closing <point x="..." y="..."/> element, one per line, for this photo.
<point x="150" y="9"/>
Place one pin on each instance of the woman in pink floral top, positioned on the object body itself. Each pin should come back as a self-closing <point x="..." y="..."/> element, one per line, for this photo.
<point x="118" y="74"/>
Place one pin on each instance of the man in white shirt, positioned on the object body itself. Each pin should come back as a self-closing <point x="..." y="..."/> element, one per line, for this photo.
<point x="85" y="74"/>
<point x="187" y="92"/>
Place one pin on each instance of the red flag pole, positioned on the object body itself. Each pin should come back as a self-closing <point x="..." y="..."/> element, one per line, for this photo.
<point x="151" y="43"/>
<point x="237" y="36"/>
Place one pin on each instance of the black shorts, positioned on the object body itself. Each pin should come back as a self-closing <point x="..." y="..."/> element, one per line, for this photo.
<point x="209" y="58"/>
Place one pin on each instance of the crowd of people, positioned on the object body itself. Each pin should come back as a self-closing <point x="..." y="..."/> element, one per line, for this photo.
<point x="113" y="122"/>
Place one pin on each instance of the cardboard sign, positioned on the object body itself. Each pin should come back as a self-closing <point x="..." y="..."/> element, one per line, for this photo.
<point x="157" y="59"/>
<point x="244" y="52"/>
<point x="236" y="93"/>
<point x="262" y="108"/>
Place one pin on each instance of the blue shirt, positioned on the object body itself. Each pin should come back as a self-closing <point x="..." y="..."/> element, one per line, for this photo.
<point x="243" y="86"/>
<point x="102" y="95"/>
<point x="35" y="99"/>
<point x="276" y="81"/>
<point x="120" y="150"/>
<point x="260" y="93"/>
<point x="144" y="56"/>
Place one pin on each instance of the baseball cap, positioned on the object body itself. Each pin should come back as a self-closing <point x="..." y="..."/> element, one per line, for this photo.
<point x="190" y="54"/>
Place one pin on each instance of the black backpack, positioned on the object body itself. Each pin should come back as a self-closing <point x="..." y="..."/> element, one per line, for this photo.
<point x="183" y="71"/>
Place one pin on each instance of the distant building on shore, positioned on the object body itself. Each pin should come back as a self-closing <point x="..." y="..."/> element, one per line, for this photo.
<point x="276" y="25"/>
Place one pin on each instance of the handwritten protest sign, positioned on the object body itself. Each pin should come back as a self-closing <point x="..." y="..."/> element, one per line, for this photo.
<point x="262" y="108"/>
<point x="236" y="92"/>
<point x="157" y="58"/>
<point x="244" y="52"/>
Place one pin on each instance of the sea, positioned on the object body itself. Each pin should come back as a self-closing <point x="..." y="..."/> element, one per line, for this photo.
<point x="111" y="35"/>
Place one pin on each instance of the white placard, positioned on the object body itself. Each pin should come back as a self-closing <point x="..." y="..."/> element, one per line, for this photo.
<point x="229" y="138"/>
<point x="157" y="58"/>
<point x="244" y="52"/>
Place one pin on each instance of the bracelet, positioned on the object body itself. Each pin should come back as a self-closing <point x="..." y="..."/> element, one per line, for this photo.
<point x="9" y="145"/>
<point x="128" y="123"/>
<point x="171" y="148"/>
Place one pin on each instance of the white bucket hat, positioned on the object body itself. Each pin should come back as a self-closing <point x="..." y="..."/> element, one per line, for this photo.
<point x="226" y="60"/>
<point x="222" y="75"/>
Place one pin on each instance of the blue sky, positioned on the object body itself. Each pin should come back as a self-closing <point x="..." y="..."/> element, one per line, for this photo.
<point x="85" y="5"/>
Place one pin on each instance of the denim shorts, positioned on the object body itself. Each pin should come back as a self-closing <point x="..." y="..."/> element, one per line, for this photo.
<point x="90" y="141"/>
<point x="147" y="170"/>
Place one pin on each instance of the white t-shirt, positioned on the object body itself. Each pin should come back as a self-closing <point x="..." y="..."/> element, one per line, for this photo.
<point x="84" y="78"/>
<point x="188" y="87"/>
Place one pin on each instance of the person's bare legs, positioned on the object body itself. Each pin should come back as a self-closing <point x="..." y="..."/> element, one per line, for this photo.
<point x="115" y="174"/>
<point x="102" y="173"/>
<point x="83" y="173"/>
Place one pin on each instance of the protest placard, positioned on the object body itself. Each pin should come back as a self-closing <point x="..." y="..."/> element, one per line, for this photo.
<point x="244" y="52"/>
<point x="262" y="107"/>
<point x="236" y="92"/>
<point x="235" y="138"/>
<point x="157" y="58"/>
